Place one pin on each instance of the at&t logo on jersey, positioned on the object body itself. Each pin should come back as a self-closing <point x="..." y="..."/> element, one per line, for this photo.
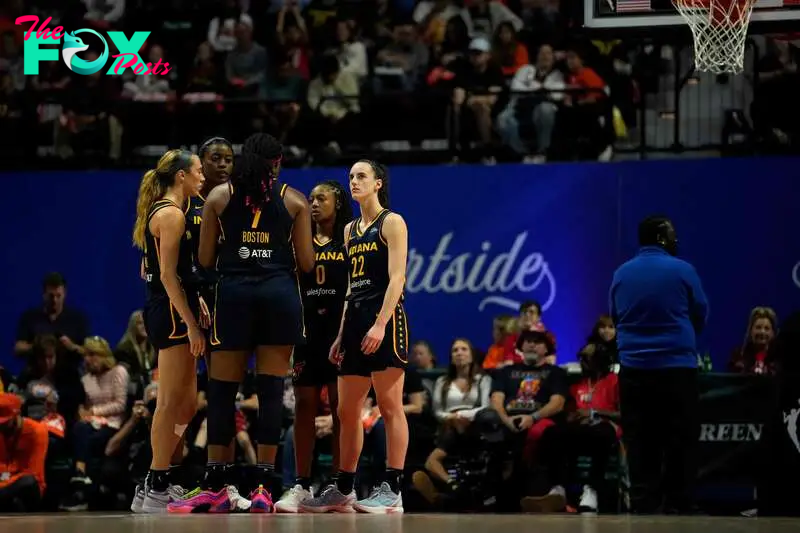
<point x="247" y="253"/>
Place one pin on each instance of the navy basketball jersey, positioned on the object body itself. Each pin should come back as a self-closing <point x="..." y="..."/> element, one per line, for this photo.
<point x="325" y="287"/>
<point x="194" y="217"/>
<point x="256" y="241"/>
<point x="152" y="254"/>
<point x="368" y="255"/>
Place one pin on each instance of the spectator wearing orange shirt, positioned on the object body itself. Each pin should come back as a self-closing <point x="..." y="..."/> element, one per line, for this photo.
<point x="583" y="111"/>
<point x="502" y="328"/>
<point x="23" y="448"/>
<point x="509" y="53"/>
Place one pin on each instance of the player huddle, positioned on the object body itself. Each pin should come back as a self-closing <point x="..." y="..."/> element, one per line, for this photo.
<point x="237" y="263"/>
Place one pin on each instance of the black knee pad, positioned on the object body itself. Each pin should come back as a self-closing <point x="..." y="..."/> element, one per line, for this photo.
<point x="270" y="408"/>
<point x="221" y="411"/>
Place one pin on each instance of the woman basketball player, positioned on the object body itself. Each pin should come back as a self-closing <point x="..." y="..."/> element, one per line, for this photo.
<point x="372" y="344"/>
<point x="171" y="310"/>
<point x="265" y="230"/>
<point x="323" y="292"/>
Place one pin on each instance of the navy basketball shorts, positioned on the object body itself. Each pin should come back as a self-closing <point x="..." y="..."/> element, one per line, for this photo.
<point x="310" y="364"/>
<point x="393" y="351"/>
<point x="165" y="327"/>
<point x="252" y="311"/>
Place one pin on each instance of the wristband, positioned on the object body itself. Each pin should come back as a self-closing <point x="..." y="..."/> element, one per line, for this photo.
<point x="536" y="417"/>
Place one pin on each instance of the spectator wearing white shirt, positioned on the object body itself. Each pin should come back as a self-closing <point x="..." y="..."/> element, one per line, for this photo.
<point x="463" y="390"/>
<point x="350" y="51"/>
<point x="222" y="28"/>
<point x="543" y="81"/>
<point x="154" y="87"/>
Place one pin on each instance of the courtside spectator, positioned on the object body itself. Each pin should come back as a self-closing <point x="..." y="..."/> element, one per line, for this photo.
<point x="591" y="431"/>
<point x="101" y="416"/>
<point x="422" y="356"/>
<point x="135" y="352"/>
<point x="69" y="325"/>
<point x="458" y="474"/>
<point x="659" y="307"/>
<point x="529" y="398"/>
<point x="23" y="449"/>
<point x="604" y="338"/>
<point x="128" y="452"/>
<point x="424" y="359"/>
<point x="755" y="355"/>
<point x="463" y="390"/>
<point x="38" y="381"/>
<point x="502" y="327"/>
<point x="530" y="319"/>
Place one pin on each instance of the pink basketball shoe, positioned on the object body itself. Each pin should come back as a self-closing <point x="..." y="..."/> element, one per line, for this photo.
<point x="203" y="502"/>
<point x="261" y="501"/>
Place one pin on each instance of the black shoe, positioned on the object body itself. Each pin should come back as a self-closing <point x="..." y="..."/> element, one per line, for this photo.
<point x="74" y="502"/>
<point x="690" y="510"/>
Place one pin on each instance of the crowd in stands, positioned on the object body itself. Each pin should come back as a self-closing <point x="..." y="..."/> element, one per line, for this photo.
<point x="507" y="76"/>
<point x="494" y="429"/>
<point x="514" y="79"/>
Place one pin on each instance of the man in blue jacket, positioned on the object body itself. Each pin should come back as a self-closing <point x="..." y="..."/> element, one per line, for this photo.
<point x="658" y="306"/>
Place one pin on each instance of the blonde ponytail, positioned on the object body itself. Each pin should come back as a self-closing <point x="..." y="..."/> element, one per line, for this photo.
<point x="154" y="187"/>
<point x="149" y="192"/>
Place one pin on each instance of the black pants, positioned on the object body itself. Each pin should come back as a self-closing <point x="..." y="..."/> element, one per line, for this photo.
<point x="660" y="430"/>
<point x="21" y="496"/>
<point x="89" y="442"/>
<point x="562" y="443"/>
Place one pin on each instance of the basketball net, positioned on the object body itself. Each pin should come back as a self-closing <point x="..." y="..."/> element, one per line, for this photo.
<point x="719" y="28"/>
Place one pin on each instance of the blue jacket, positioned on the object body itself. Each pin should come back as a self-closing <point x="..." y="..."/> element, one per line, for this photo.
<point x="658" y="306"/>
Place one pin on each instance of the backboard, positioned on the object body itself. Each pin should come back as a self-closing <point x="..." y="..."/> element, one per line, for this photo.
<point x="769" y="16"/>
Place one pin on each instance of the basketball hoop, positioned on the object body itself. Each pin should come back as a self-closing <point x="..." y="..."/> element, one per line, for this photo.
<point x="719" y="28"/>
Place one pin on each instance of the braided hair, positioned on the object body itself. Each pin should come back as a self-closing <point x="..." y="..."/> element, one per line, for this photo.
<point x="252" y="176"/>
<point x="381" y="173"/>
<point x="258" y="180"/>
<point x="343" y="211"/>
